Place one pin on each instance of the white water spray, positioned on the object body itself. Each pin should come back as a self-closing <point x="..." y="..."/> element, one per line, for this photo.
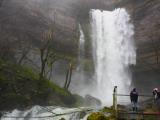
<point x="113" y="52"/>
<point x="81" y="50"/>
<point x="78" y="83"/>
<point x="47" y="113"/>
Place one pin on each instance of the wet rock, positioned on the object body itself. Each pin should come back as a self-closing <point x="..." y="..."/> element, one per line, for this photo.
<point x="92" y="101"/>
<point x="62" y="119"/>
<point x="0" y="114"/>
<point x="82" y="114"/>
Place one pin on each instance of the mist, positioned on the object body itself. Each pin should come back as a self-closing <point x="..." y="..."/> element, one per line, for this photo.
<point x="24" y="21"/>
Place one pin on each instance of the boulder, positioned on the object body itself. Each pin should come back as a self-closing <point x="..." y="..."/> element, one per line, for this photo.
<point x="92" y="101"/>
<point x="97" y="116"/>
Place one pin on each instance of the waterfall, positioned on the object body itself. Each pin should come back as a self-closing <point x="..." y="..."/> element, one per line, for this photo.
<point x="113" y="52"/>
<point x="81" y="50"/>
<point x="78" y="84"/>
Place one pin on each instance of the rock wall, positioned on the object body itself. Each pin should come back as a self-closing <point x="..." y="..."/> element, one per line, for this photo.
<point x="27" y="20"/>
<point x="146" y="18"/>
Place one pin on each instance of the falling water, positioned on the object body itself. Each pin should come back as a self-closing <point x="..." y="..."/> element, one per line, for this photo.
<point x="81" y="51"/>
<point x="113" y="52"/>
<point x="78" y="83"/>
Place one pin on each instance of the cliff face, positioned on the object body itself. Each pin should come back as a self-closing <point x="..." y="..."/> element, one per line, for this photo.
<point x="22" y="21"/>
<point x="145" y="16"/>
<point x="26" y="21"/>
<point x="148" y="35"/>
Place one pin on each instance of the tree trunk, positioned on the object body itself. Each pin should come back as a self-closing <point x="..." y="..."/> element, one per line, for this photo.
<point x="65" y="85"/>
<point x="42" y="64"/>
<point x="50" y="75"/>
<point x="70" y="76"/>
<point x="22" y="58"/>
<point x="42" y="70"/>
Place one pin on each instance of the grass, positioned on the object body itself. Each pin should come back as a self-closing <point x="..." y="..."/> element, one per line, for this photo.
<point x="20" y="87"/>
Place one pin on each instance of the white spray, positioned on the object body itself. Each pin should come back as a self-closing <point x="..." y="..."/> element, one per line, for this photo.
<point x="113" y="52"/>
<point x="78" y="84"/>
<point x="81" y="50"/>
<point x="46" y="113"/>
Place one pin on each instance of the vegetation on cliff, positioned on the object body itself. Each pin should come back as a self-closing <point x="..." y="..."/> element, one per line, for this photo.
<point x="20" y="87"/>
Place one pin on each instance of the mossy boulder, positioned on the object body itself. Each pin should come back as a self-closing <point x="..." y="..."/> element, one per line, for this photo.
<point x="97" y="116"/>
<point x="107" y="113"/>
<point x="92" y="101"/>
<point x="101" y="116"/>
<point x="108" y="110"/>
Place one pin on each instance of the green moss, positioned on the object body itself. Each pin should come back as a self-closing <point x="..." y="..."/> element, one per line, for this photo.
<point x="79" y="101"/>
<point x="21" y="87"/>
<point x="101" y="116"/>
<point x="56" y="88"/>
<point x="108" y="110"/>
<point x="97" y="116"/>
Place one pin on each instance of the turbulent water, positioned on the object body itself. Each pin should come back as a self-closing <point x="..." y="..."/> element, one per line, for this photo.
<point x="47" y="113"/>
<point x="113" y="52"/>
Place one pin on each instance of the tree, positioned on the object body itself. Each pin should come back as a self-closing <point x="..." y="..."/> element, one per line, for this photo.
<point x="48" y="55"/>
<point x="23" y="50"/>
<point x="53" y="57"/>
<point x="45" y="51"/>
<point x="7" y="49"/>
<point x="68" y="76"/>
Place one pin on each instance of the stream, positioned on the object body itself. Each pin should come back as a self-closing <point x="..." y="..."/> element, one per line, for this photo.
<point x="49" y="113"/>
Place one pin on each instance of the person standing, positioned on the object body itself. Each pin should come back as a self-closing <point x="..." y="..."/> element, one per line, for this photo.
<point x="156" y="94"/>
<point x="134" y="99"/>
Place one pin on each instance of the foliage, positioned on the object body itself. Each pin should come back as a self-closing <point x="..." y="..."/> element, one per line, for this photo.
<point x="97" y="116"/>
<point x="108" y="110"/>
<point x="20" y="87"/>
<point x="105" y="114"/>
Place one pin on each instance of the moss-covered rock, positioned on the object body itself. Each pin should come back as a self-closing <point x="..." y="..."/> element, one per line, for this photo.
<point x="108" y="110"/>
<point x="97" y="116"/>
<point x="107" y="113"/>
<point x="100" y="116"/>
<point x="20" y="87"/>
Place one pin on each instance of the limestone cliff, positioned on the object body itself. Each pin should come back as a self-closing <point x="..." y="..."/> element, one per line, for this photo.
<point x="26" y="21"/>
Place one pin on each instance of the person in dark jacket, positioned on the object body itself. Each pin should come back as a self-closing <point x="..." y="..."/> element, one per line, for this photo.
<point x="134" y="99"/>
<point x="156" y="94"/>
